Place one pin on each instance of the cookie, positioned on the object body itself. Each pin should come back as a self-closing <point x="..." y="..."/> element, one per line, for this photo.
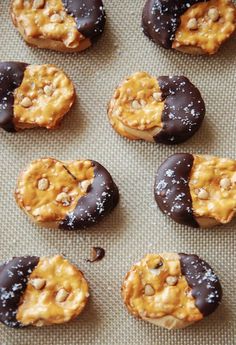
<point x="33" y="96"/>
<point x="166" y="110"/>
<point x="196" y="190"/>
<point x="171" y="290"/>
<point x="62" y="25"/>
<point x="67" y="195"/>
<point x="40" y="291"/>
<point x="192" y="26"/>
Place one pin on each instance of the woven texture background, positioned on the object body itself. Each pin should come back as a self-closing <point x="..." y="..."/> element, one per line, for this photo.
<point x="136" y="227"/>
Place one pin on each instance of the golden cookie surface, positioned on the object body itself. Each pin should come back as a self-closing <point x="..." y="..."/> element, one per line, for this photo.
<point x="58" y="24"/>
<point x="197" y="190"/>
<point x="69" y="195"/>
<point x="33" y="96"/>
<point x="171" y="290"/>
<point x="41" y="291"/>
<point x="165" y="110"/>
<point x="193" y="27"/>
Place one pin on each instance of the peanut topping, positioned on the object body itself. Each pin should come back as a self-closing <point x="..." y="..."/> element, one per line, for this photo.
<point x="213" y="14"/>
<point x="61" y="299"/>
<point x="148" y="290"/>
<point x="26" y="102"/>
<point x="215" y="174"/>
<point x="136" y="108"/>
<point x="49" y="22"/>
<point x="51" y="202"/>
<point x="62" y="295"/>
<point x="192" y="24"/>
<point x="38" y="283"/>
<point x="43" y="98"/>
<point x="43" y="184"/>
<point x="172" y="281"/>
<point x="38" y="4"/>
<point x="154" y="296"/>
<point x="205" y="26"/>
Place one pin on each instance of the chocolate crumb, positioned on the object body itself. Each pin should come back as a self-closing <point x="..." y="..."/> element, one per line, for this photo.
<point x="98" y="254"/>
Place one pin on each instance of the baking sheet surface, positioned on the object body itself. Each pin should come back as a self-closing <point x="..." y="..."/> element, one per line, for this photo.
<point x="136" y="227"/>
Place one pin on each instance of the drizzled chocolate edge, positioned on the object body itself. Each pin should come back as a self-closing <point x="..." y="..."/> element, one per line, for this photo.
<point x="171" y="189"/>
<point x="161" y="19"/>
<point x="205" y="285"/>
<point x="11" y="76"/>
<point x="184" y="110"/>
<point x="89" y="16"/>
<point x="13" y="282"/>
<point x="102" y="197"/>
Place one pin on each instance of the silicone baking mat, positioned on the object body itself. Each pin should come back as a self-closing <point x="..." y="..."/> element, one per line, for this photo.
<point x="136" y="226"/>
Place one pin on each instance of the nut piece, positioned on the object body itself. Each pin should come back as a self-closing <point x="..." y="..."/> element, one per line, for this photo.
<point x="157" y="96"/>
<point x="225" y="183"/>
<point x="63" y="198"/>
<point x="213" y="14"/>
<point x="26" y="102"/>
<point x="48" y="90"/>
<point x="62" y="295"/>
<point x="38" y="4"/>
<point x="148" y="290"/>
<point x="192" y="24"/>
<point x="85" y="185"/>
<point x="43" y="184"/>
<point x="203" y="194"/>
<point x="136" y="105"/>
<point x="172" y="280"/>
<point x="56" y="18"/>
<point x="38" y="283"/>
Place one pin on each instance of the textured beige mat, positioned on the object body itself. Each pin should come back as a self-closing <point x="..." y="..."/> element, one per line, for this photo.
<point x="136" y="226"/>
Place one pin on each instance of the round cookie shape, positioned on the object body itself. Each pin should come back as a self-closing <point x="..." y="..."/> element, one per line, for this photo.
<point x="33" y="96"/>
<point x="171" y="290"/>
<point x="41" y="291"/>
<point x="166" y="110"/>
<point x="194" y="27"/>
<point x="197" y="190"/>
<point x="62" y="25"/>
<point x="67" y="195"/>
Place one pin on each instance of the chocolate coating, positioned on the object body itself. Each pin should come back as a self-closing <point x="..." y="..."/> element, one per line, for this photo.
<point x="11" y="76"/>
<point x="161" y="19"/>
<point x="102" y="197"/>
<point x="183" y="112"/>
<point x="89" y="16"/>
<point x="172" y="191"/>
<point x="13" y="281"/>
<point x="205" y="285"/>
<point x="98" y="254"/>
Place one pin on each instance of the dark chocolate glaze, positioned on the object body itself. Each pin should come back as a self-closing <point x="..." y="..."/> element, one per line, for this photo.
<point x="102" y="197"/>
<point x="161" y="19"/>
<point x="13" y="281"/>
<point x="172" y="191"/>
<point x="183" y="112"/>
<point x="11" y="76"/>
<point x="205" y="285"/>
<point x="89" y="16"/>
<point x="98" y="254"/>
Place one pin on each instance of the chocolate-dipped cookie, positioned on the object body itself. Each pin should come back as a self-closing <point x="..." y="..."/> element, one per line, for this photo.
<point x="165" y="110"/>
<point x="40" y="291"/>
<point x="33" y="96"/>
<point x="67" y="195"/>
<point x="63" y="25"/>
<point x="171" y="290"/>
<point x="197" y="190"/>
<point x="194" y="27"/>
